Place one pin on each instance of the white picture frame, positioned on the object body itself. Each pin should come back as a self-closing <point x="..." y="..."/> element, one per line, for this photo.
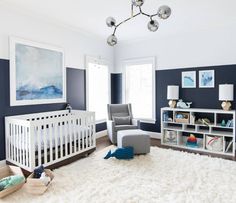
<point x="37" y="73"/>
<point x="189" y="79"/>
<point x="207" y="79"/>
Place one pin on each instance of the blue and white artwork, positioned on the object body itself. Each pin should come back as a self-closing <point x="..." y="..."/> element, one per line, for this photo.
<point x="207" y="79"/>
<point x="39" y="75"/>
<point x="189" y="79"/>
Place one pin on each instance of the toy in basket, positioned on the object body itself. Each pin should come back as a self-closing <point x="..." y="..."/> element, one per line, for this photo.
<point x="39" y="181"/>
<point x="192" y="141"/>
<point x="11" y="180"/>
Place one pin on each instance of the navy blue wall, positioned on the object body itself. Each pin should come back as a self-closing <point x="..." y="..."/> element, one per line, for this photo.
<point x="201" y="97"/>
<point x="116" y="88"/>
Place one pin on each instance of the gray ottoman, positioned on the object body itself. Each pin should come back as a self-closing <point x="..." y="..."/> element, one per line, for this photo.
<point x="137" y="139"/>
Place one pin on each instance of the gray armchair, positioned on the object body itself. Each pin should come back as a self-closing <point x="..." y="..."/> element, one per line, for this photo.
<point x="120" y="117"/>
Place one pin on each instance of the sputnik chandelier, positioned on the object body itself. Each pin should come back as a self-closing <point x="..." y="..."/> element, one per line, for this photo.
<point x="163" y="12"/>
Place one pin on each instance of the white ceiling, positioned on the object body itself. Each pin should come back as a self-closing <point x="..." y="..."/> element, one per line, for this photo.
<point x="90" y="15"/>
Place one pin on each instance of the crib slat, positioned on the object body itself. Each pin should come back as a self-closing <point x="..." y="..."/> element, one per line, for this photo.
<point x="38" y="130"/>
<point x="79" y="133"/>
<point x="11" y="141"/>
<point x="66" y="137"/>
<point x="83" y="132"/>
<point x="45" y="143"/>
<point x="86" y="131"/>
<point x="20" y="142"/>
<point x="23" y="146"/>
<point x="70" y="134"/>
<point x="27" y="146"/>
<point x="50" y="127"/>
<point x="61" y="141"/>
<point x="90" y="132"/>
<point x="56" y="139"/>
<point x="75" y="134"/>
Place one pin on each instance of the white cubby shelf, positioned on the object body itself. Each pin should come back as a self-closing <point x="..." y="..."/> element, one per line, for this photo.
<point x="183" y="128"/>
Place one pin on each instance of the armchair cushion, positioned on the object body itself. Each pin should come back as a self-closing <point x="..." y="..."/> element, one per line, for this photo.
<point x="124" y="120"/>
<point x="125" y="127"/>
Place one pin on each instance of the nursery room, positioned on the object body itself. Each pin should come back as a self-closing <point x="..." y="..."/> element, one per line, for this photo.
<point x="117" y="101"/>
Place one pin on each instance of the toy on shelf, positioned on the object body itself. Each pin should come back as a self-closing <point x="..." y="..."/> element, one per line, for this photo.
<point x="192" y="141"/>
<point x="183" y="105"/>
<point x="203" y="121"/>
<point x="223" y="124"/>
<point x="229" y="123"/>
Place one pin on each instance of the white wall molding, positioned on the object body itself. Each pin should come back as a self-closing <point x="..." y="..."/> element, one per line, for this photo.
<point x="2" y="163"/>
<point x="101" y="134"/>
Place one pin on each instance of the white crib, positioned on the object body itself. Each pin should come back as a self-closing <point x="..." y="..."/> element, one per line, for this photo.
<point x="48" y="138"/>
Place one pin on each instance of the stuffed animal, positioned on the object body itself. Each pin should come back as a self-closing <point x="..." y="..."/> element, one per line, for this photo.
<point x="45" y="179"/>
<point x="121" y="153"/>
<point x="38" y="171"/>
<point x="11" y="181"/>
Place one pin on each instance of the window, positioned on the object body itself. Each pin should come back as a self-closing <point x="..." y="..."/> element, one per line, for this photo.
<point x="140" y="88"/>
<point x="97" y="87"/>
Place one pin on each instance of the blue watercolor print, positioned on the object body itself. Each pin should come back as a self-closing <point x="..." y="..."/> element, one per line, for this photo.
<point x="39" y="73"/>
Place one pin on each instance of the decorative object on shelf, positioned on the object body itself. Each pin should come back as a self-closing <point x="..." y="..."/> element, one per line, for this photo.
<point x="165" y="116"/>
<point x="189" y="79"/>
<point x="192" y="141"/>
<point x="69" y="107"/>
<point x="183" y="105"/>
<point x="203" y="121"/>
<point x="214" y="143"/>
<point x="226" y="94"/>
<point x="207" y="79"/>
<point x="171" y="137"/>
<point x="37" y="73"/>
<point x="181" y="117"/>
<point x="229" y="123"/>
<point x="223" y="124"/>
<point x="192" y="119"/>
<point x="163" y="12"/>
<point x="172" y="95"/>
<point x="228" y="146"/>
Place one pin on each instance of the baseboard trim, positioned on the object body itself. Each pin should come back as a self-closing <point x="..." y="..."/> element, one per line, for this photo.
<point x="2" y="163"/>
<point x="101" y="134"/>
<point x="154" y="135"/>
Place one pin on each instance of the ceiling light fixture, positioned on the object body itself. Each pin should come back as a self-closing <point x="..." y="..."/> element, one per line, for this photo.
<point x="163" y="12"/>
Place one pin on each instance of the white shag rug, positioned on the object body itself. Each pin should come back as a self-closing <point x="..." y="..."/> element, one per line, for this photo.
<point x="161" y="176"/>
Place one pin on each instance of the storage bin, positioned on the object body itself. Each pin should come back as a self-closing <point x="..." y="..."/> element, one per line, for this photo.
<point x="36" y="186"/>
<point x="9" y="171"/>
<point x="184" y="117"/>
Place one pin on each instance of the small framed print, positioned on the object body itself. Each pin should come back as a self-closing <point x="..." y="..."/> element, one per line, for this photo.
<point x="207" y="79"/>
<point x="189" y="79"/>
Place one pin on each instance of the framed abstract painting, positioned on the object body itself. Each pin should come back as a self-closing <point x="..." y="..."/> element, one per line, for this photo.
<point x="189" y="79"/>
<point x="207" y="79"/>
<point x="37" y="73"/>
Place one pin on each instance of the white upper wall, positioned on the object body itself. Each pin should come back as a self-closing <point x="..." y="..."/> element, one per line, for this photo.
<point x="189" y="49"/>
<point x="75" y="44"/>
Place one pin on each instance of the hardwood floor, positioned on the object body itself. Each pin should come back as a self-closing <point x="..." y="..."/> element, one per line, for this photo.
<point x="104" y="142"/>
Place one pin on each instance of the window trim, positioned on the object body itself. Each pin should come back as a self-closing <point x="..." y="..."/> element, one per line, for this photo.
<point x="102" y="61"/>
<point x="140" y="61"/>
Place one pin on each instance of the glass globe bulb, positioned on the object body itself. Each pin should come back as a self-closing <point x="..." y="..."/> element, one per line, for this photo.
<point x="112" y="40"/>
<point x="164" y="12"/>
<point x="153" y="25"/>
<point x="137" y="2"/>
<point x="110" y="21"/>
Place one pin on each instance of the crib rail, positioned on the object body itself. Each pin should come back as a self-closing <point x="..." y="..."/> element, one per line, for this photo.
<point x="48" y="138"/>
